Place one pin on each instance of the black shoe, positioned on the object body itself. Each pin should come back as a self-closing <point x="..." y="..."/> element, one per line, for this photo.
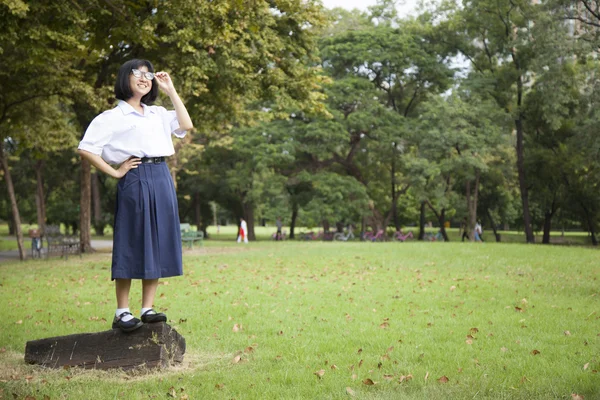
<point x="126" y="326"/>
<point x="153" y="317"/>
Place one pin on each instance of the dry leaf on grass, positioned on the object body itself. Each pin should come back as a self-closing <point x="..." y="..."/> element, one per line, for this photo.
<point x="349" y="391"/>
<point x="443" y="379"/>
<point x="369" y="382"/>
<point x="320" y="373"/>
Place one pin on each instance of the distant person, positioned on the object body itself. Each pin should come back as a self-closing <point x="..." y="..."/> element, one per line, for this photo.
<point x="278" y="236"/>
<point x="243" y="236"/>
<point x="464" y="230"/>
<point x="137" y="137"/>
<point x="478" y="232"/>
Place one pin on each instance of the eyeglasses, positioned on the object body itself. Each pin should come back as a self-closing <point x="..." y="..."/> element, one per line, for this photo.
<point x="138" y="74"/>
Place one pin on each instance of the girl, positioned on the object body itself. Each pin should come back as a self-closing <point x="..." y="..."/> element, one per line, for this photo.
<point x="137" y="136"/>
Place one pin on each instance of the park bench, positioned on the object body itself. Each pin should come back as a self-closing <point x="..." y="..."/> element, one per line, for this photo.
<point x="61" y="244"/>
<point x="189" y="237"/>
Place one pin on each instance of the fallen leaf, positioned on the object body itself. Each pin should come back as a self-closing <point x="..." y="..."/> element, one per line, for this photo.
<point x="280" y="333"/>
<point x="249" y="349"/>
<point x="349" y="391"/>
<point x="359" y="351"/>
<point x="586" y="366"/>
<point x="535" y="352"/>
<point x="473" y="331"/>
<point x="360" y="363"/>
<point x="354" y="377"/>
<point x="576" y="396"/>
<point x="452" y="288"/>
<point x="369" y="382"/>
<point x="384" y="325"/>
<point x="469" y="341"/>
<point x="172" y="392"/>
<point x="19" y="322"/>
<point x="504" y="349"/>
<point x="333" y="366"/>
<point x="237" y="327"/>
<point x="219" y="386"/>
<point x="427" y="375"/>
<point x="388" y="377"/>
<point x="443" y="379"/>
<point x="320" y="373"/>
<point x="236" y="359"/>
<point x="567" y="333"/>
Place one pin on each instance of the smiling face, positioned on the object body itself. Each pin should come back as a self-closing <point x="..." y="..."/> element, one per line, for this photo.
<point x="140" y="86"/>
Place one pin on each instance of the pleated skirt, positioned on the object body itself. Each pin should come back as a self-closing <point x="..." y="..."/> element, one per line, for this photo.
<point x="147" y="236"/>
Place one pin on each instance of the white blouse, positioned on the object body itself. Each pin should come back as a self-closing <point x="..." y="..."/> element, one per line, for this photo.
<point x="122" y="132"/>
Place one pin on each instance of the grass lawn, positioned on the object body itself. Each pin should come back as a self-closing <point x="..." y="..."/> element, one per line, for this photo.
<point x="323" y="320"/>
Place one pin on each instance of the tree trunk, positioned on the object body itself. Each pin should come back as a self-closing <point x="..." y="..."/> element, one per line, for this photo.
<point x="293" y="220"/>
<point x="521" y="170"/>
<point x="590" y="224"/>
<point x="394" y="195"/>
<point x="40" y="199"/>
<point x="442" y="220"/>
<point x="441" y="217"/>
<point x="97" y="205"/>
<point x="472" y="199"/>
<point x="13" y="203"/>
<point x="85" y="207"/>
<point x="197" y="211"/>
<point x="249" y="217"/>
<point x="547" y="226"/>
<point x="496" y="234"/>
<point x="326" y="226"/>
<point x="422" y="222"/>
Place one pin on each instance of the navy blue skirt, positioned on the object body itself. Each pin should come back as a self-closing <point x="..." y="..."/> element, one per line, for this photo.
<point x="147" y="236"/>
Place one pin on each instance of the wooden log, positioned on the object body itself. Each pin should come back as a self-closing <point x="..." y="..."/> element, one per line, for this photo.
<point x="152" y="345"/>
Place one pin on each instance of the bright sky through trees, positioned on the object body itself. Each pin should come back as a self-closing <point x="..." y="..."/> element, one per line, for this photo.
<point x="404" y="7"/>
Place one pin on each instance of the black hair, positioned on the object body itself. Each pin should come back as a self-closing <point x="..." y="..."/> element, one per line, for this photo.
<point x="123" y="88"/>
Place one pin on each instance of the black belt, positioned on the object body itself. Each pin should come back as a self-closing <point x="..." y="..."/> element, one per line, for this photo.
<point x="152" y="160"/>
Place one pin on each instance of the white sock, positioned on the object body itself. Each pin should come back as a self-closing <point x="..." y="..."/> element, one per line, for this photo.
<point x="146" y="309"/>
<point x="121" y="311"/>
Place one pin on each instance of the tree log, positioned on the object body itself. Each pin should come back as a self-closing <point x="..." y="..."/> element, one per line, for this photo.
<point x="152" y="345"/>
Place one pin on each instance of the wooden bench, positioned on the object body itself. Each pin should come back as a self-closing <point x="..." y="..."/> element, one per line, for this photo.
<point x="188" y="236"/>
<point x="61" y="244"/>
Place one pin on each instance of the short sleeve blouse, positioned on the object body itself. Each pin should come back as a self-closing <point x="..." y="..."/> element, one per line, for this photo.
<point x="122" y="132"/>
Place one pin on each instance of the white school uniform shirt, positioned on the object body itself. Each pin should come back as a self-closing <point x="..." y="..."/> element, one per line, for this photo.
<point x="122" y="132"/>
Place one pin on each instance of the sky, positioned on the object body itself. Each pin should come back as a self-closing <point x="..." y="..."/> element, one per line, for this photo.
<point x="404" y="7"/>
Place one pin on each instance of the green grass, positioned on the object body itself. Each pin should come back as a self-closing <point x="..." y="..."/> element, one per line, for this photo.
<point x="376" y="311"/>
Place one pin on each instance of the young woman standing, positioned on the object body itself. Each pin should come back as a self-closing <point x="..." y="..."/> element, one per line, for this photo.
<point x="136" y="136"/>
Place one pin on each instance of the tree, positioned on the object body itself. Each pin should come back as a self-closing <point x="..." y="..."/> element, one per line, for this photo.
<point x="510" y="45"/>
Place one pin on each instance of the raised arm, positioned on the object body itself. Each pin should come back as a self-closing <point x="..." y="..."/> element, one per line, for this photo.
<point x="166" y="84"/>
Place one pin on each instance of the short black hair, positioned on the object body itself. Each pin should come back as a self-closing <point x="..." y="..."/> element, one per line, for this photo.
<point x="122" y="87"/>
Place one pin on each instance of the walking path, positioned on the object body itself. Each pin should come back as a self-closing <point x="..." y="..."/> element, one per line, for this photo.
<point x="13" y="255"/>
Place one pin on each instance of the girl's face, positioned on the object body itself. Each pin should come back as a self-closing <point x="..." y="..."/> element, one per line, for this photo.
<point x="140" y="86"/>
